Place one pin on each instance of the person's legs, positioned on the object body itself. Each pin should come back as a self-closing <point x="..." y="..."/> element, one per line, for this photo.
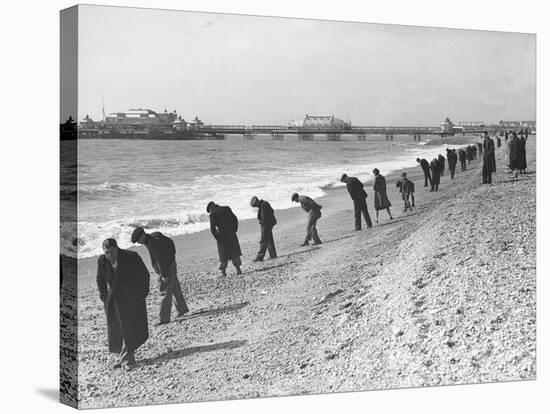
<point x="271" y="243"/>
<point x="181" y="304"/>
<point x="426" y="178"/>
<point x="357" y="212"/>
<point x="236" y="260"/>
<point x="223" y="267"/>
<point x="126" y="357"/>
<point x="389" y="213"/>
<point x="263" y="244"/>
<point x="377" y="216"/>
<point x="314" y="234"/>
<point x="166" y="292"/>
<point x="412" y="199"/>
<point x="366" y="215"/>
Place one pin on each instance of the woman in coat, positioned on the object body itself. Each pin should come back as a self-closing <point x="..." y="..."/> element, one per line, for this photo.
<point x="381" y="200"/>
<point x="514" y="153"/>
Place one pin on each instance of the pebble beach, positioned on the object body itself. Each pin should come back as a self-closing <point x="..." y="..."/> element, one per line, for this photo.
<point x="442" y="295"/>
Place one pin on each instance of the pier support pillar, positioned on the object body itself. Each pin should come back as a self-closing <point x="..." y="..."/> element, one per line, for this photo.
<point x="249" y="135"/>
<point x="305" y="136"/>
<point x="333" y="137"/>
<point x="391" y="137"/>
<point x="387" y="137"/>
<point x="277" y="136"/>
<point x="362" y="137"/>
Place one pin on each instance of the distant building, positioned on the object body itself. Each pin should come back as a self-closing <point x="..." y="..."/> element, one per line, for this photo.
<point x="471" y="123"/>
<point x="180" y="124"/>
<point x="320" y="122"/>
<point x="447" y="127"/>
<point x="142" y="117"/>
<point x="195" y="123"/>
<point x="509" y="124"/>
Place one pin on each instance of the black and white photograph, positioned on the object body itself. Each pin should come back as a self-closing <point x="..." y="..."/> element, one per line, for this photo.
<point x="256" y="206"/>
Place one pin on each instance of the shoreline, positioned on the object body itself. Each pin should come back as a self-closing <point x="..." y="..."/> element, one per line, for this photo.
<point x="289" y="218"/>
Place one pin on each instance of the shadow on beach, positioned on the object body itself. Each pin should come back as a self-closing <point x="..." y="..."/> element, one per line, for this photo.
<point x="193" y="350"/>
<point x="212" y="312"/>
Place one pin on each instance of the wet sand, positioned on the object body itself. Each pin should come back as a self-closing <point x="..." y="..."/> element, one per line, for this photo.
<point x="366" y="310"/>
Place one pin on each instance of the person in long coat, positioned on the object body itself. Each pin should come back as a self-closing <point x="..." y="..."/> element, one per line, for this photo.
<point x="381" y="200"/>
<point x="434" y="166"/>
<point x="224" y="226"/>
<point x="267" y="220"/>
<point x="489" y="162"/>
<point x="359" y="196"/>
<point x="462" y="156"/>
<point x="123" y="284"/>
<point x="514" y="154"/>
<point x="426" y="169"/>
<point x="451" y="161"/>
<point x="522" y="154"/>
<point x="313" y="210"/>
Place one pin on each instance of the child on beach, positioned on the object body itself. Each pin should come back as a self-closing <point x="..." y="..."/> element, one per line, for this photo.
<point x="406" y="188"/>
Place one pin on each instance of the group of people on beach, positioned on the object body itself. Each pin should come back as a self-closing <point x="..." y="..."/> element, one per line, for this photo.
<point x="123" y="279"/>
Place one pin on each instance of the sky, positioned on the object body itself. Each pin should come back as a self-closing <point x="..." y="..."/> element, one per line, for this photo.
<point x="234" y="69"/>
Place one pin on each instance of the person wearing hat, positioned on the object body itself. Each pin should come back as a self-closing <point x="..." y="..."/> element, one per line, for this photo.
<point x="359" y="197"/>
<point x="266" y="218"/>
<point x="123" y="284"/>
<point x="163" y="258"/>
<point x="451" y="161"/>
<point x="224" y="225"/>
<point x="314" y="214"/>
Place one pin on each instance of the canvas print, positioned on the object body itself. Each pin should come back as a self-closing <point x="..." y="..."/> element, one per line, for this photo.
<point x="266" y="206"/>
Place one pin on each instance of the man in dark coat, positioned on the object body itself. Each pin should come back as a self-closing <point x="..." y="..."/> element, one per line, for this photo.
<point x="266" y="218"/>
<point x="489" y="162"/>
<point x="462" y="156"/>
<point x="522" y="154"/>
<point x="314" y="214"/>
<point x="514" y="154"/>
<point x="434" y="166"/>
<point x="359" y="197"/>
<point x="123" y="284"/>
<point x="441" y="160"/>
<point x="163" y="258"/>
<point x="426" y="168"/>
<point x="224" y="225"/>
<point x="451" y="160"/>
<point x="381" y="200"/>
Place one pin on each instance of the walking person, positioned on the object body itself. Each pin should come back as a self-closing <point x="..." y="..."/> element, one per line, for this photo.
<point x="266" y="218"/>
<point x="359" y="197"/>
<point x="381" y="200"/>
<point x="224" y="226"/>
<point x="462" y="156"/>
<point x="314" y="214"/>
<point x="426" y="169"/>
<point x="163" y="258"/>
<point x="480" y="145"/>
<point x="123" y="283"/>
<point x="434" y="166"/>
<point x="489" y="162"/>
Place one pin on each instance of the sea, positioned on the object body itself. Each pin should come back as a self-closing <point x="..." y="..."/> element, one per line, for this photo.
<point x="166" y="185"/>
